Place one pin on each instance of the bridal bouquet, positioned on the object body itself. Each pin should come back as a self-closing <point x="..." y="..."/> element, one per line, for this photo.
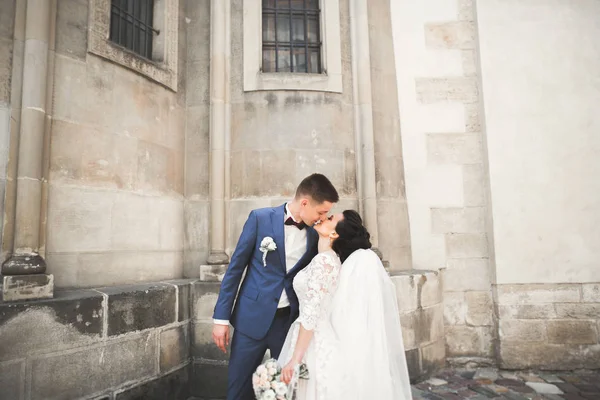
<point x="268" y="385"/>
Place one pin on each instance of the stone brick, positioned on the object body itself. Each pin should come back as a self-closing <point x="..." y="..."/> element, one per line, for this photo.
<point x="523" y="330"/>
<point x="174" y="348"/>
<point x="470" y="62"/>
<point x="70" y="319"/>
<point x="450" y="35"/>
<point x="6" y="53"/>
<point x="76" y="374"/>
<point x="27" y="287"/>
<point x="173" y="386"/>
<point x="467" y="274"/>
<point x="203" y="345"/>
<point x="12" y="380"/>
<point x="463" y="340"/>
<point x="538" y="293"/>
<point x="433" y="357"/>
<point x="458" y="220"/>
<point x="479" y="309"/>
<point x="204" y="295"/>
<point x="591" y="292"/>
<point x="71" y="28"/>
<point x="524" y="355"/>
<point x="455" y="308"/>
<point x="138" y="307"/>
<point x="578" y="310"/>
<point x="460" y="89"/>
<point x="527" y="311"/>
<point x="466" y="10"/>
<point x="466" y="245"/>
<point x="413" y="362"/>
<point x="209" y="381"/>
<point x="183" y="297"/>
<point x="431" y="290"/>
<point x="572" y="332"/>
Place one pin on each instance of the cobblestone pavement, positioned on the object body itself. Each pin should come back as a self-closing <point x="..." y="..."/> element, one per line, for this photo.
<point x="485" y="384"/>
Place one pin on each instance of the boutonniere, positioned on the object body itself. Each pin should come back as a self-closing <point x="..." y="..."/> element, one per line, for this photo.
<point x="267" y="244"/>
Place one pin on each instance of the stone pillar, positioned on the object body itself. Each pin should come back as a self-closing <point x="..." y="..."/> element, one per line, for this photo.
<point x="23" y="272"/>
<point x="363" y="117"/>
<point x="219" y="125"/>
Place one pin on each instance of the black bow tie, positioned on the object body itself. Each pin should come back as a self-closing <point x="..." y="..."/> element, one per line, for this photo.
<point x="299" y="225"/>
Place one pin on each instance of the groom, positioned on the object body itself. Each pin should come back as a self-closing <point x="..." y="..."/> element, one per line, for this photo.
<point x="267" y="304"/>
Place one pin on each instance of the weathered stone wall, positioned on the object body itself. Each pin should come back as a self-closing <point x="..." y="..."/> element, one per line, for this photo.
<point x="549" y="326"/>
<point x="117" y="343"/>
<point x="8" y="98"/>
<point x="394" y="235"/>
<point x="439" y="97"/>
<point x="421" y="307"/>
<point x="115" y="206"/>
<point x="197" y="201"/>
<point x="280" y="137"/>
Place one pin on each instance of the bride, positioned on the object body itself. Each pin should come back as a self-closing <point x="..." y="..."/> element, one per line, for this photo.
<point x="348" y="333"/>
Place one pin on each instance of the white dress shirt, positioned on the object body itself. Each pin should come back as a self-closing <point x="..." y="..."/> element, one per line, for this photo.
<point x="295" y="247"/>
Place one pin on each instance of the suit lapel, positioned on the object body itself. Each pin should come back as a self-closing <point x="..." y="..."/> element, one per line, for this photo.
<point x="277" y="223"/>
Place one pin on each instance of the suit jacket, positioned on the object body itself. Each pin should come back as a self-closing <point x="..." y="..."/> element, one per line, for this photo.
<point x="262" y="286"/>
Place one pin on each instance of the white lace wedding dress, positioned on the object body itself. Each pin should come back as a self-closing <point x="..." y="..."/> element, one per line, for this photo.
<point x="314" y="286"/>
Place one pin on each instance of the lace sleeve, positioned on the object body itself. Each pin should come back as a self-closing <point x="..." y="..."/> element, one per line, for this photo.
<point x="322" y="279"/>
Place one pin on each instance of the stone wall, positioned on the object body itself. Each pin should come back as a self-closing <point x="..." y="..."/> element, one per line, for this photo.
<point x="444" y="158"/>
<point x="113" y="343"/>
<point x="549" y="326"/>
<point x="115" y="202"/>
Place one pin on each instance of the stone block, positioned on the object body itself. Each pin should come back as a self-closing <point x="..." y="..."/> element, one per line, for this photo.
<point x="7" y="18"/>
<point x="578" y="310"/>
<point x="12" y="380"/>
<point x="458" y="89"/>
<point x="423" y="326"/>
<point x="71" y="28"/>
<point x="591" y="292"/>
<point x="454" y="148"/>
<point x="70" y="319"/>
<point x="455" y="308"/>
<point x="527" y="311"/>
<point x="6" y="53"/>
<point x="466" y="245"/>
<point x="209" y="381"/>
<point x="413" y="362"/>
<point x="76" y="374"/>
<point x="523" y="330"/>
<point x="467" y="274"/>
<point x="466" y="10"/>
<point x="27" y="287"/>
<point x="174" y="348"/>
<point x="138" y="307"/>
<point x="433" y="357"/>
<point x="479" y="309"/>
<point x="173" y="386"/>
<point x="528" y="355"/>
<point x="474" y="185"/>
<point x="431" y="290"/>
<point x="203" y="345"/>
<point x="538" y="293"/>
<point x="450" y="35"/>
<point x="462" y="340"/>
<point x="470" y="62"/>
<point x="213" y="273"/>
<point x="572" y="332"/>
<point x="204" y="296"/>
<point x="458" y="220"/>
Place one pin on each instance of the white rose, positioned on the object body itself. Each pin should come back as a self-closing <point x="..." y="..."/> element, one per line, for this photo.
<point x="261" y="369"/>
<point x="281" y="388"/>
<point x="272" y="371"/>
<point x="268" y="395"/>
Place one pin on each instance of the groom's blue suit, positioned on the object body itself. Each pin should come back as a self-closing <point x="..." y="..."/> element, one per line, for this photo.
<point x="258" y="323"/>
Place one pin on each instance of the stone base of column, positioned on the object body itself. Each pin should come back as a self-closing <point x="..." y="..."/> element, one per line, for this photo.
<point x="27" y="287"/>
<point x="212" y="273"/>
<point x="24" y="264"/>
<point x="217" y="258"/>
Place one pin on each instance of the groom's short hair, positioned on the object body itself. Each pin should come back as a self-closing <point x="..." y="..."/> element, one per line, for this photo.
<point x="318" y="188"/>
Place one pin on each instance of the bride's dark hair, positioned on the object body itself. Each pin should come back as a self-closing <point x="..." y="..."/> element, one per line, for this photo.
<point x="352" y="235"/>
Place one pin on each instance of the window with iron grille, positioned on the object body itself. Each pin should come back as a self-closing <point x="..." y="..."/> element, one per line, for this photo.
<point x="291" y="36"/>
<point x="131" y="25"/>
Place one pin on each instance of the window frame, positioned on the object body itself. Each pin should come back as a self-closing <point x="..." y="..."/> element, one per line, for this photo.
<point x="142" y="25"/>
<point x="330" y="78"/>
<point x="162" y="68"/>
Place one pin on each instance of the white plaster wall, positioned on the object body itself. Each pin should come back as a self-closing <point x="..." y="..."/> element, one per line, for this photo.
<point x="540" y="62"/>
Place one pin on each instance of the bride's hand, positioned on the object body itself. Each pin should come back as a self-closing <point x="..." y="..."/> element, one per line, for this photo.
<point x="288" y="371"/>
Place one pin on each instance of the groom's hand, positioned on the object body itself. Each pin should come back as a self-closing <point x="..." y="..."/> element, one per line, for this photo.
<point x="221" y="336"/>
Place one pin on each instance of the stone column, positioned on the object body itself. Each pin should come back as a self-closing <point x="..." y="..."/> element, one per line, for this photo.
<point x="23" y="272"/>
<point x="363" y="116"/>
<point x="219" y="124"/>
